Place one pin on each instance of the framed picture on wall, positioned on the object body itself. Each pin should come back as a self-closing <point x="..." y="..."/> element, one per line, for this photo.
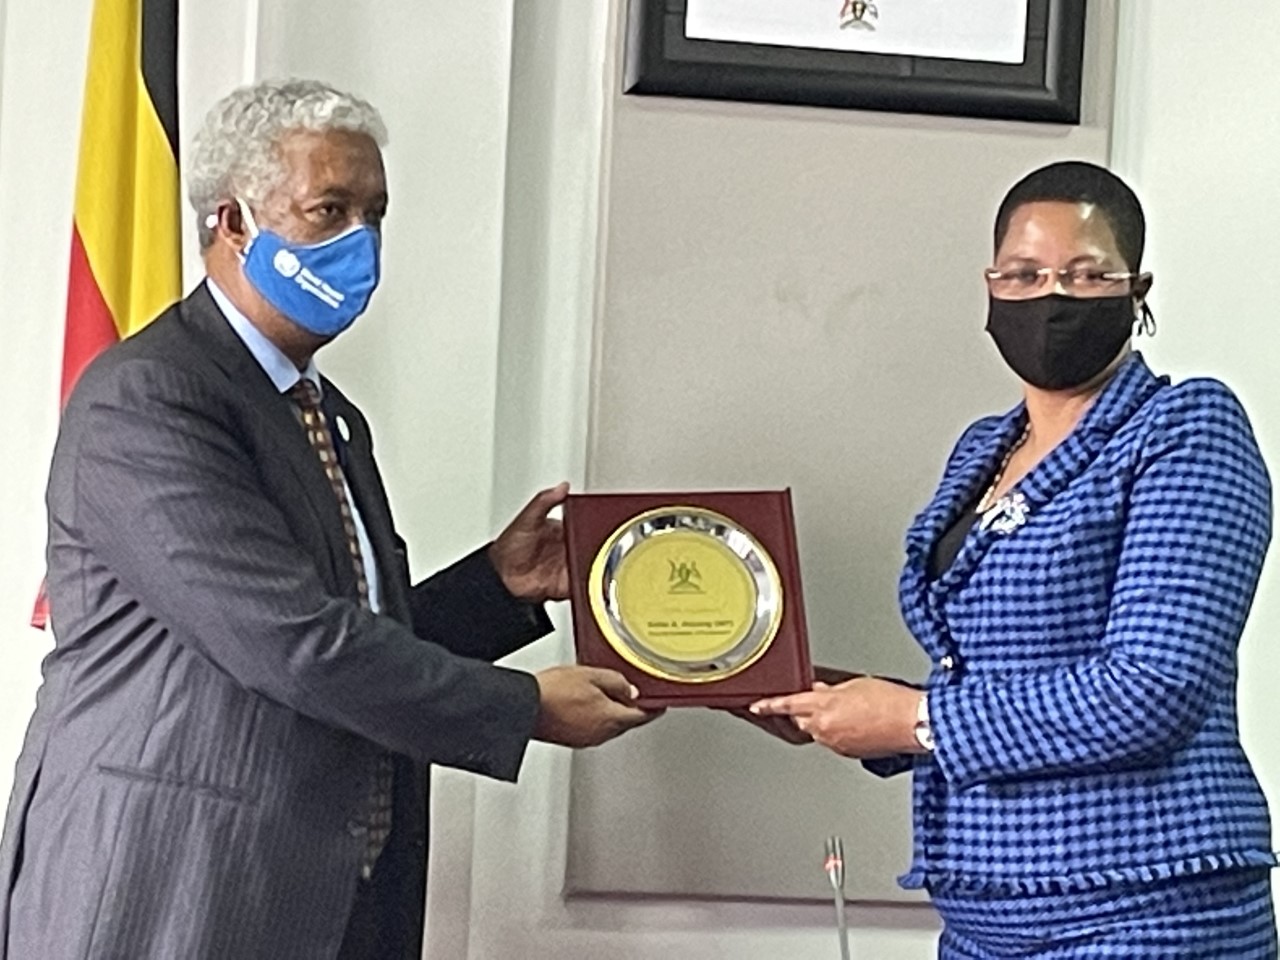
<point x="1004" y="59"/>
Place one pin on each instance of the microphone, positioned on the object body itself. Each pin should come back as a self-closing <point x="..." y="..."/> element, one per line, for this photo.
<point x="834" y="867"/>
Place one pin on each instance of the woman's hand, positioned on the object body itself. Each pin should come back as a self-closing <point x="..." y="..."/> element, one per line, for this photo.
<point x="863" y="718"/>
<point x="784" y="727"/>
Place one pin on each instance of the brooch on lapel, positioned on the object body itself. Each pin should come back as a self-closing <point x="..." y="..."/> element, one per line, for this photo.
<point x="1005" y="515"/>
<point x="1011" y="511"/>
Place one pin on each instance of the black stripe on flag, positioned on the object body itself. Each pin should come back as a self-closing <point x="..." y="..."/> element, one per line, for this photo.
<point x="160" y="63"/>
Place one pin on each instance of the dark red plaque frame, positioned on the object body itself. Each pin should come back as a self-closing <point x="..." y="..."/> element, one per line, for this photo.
<point x="591" y="518"/>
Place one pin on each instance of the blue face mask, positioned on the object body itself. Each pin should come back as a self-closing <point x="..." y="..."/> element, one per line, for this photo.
<point x="322" y="287"/>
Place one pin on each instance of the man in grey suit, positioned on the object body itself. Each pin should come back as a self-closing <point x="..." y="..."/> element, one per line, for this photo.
<point x="229" y="754"/>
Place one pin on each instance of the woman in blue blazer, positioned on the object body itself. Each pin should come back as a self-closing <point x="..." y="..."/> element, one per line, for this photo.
<point x="1080" y="582"/>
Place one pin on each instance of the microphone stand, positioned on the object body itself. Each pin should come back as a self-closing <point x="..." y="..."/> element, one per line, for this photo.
<point x="834" y="867"/>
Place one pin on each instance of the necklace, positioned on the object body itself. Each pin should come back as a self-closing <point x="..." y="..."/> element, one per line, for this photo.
<point x="985" y="503"/>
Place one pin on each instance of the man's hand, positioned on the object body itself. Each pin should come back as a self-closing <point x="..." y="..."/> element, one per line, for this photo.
<point x="784" y="727"/>
<point x="586" y="706"/>
<point x="529" y="554"/>
<point x="864" y="718"/>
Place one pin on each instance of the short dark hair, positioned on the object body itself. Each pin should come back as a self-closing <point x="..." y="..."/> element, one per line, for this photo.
<point x="1075" y="181"/>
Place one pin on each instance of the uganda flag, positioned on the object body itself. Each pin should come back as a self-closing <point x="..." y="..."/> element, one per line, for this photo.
<point x="126" y="256"/>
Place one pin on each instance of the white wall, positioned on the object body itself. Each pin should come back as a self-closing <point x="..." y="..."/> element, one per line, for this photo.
<point x="1197" y="131"/>
<point x="40" y="94"/>
<point x="471" y="364"/>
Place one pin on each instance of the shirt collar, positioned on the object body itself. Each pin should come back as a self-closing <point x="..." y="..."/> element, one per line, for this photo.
<point x="274" y="363"/>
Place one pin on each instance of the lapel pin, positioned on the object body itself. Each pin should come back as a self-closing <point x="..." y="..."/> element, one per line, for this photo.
<point x="1006" y="515"/>
<point x="343" y="430"/>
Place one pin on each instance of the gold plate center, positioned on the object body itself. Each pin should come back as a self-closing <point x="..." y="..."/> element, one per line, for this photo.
<point x="686" y="594"/>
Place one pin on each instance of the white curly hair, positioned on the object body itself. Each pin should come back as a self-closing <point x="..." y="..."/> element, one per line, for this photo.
<point x="235" y="152"/>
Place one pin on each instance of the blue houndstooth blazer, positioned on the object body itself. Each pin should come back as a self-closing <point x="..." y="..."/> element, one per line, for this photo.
<point x="1083" y="692"/>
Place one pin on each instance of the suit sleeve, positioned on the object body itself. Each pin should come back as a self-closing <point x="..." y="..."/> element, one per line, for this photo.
<point x="1197" y="530"/>
<point x="172" y="504"/>
<point x="467" y="609"/>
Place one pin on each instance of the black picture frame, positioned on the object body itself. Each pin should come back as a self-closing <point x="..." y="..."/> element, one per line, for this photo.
<point x="661" y="61"/>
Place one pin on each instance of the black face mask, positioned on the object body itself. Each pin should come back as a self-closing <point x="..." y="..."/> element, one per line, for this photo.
<point x="1058" y="342"/>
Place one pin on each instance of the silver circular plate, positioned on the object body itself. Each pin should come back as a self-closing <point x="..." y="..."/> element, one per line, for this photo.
<point x="686" y="594"/>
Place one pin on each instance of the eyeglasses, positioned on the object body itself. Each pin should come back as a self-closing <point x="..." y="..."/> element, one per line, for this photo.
<point x="1024" y="283"/>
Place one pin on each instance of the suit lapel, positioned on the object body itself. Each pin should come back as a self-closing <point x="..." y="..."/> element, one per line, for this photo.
<point x="1131" y="387"/>
<point x="963" y="483"/>
<point x="966" y="481"/>
<point x="276" y="416"/>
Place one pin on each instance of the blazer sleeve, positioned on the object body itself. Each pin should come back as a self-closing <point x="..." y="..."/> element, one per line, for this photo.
<point x="1197" y="529"/>
<point x="166" y="497"/>
<point x="467" y="609"/>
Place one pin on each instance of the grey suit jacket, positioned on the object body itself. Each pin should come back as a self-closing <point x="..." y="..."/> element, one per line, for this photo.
<point x="194" y="777"/>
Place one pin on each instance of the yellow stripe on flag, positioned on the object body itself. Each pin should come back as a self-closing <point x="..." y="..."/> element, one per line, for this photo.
<point x="127" y="187"/>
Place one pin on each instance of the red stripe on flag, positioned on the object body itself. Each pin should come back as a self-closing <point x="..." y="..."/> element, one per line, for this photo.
<point x="90" y="328"/>
<point x="40" y="615"/>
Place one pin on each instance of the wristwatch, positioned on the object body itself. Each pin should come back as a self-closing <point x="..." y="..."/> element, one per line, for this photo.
<point x="924" y="729"/>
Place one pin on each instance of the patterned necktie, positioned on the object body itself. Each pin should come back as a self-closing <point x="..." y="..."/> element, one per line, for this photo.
<point x="306" y="395"/>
